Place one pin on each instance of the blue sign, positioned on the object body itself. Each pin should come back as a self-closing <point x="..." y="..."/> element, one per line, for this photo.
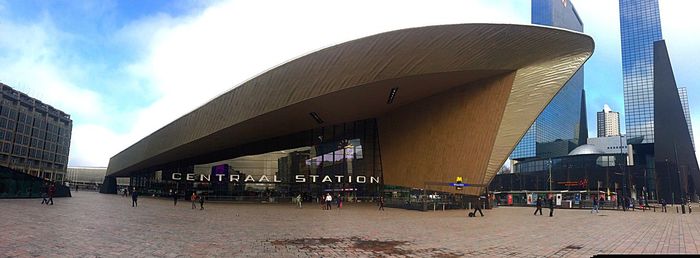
<point x="456" y="184"/>
<point x="577" y="198"/>
<point x="218" y="172"/>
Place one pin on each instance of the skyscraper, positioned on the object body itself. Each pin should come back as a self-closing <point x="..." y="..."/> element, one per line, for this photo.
<point x="640" y="27"/>
<point x="561" y="127"/>
<point x="683" y="94"/>
<point x="608" y="122"/>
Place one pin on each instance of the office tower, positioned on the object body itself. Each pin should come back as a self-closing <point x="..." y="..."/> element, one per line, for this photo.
<point x="561" y="126"/>
<point x="34" y="137"/>
<point x="640" y="27"/>
<point x="677" y="170"/>
<point x="683" y="94"/>
<point x="608" y="122"/>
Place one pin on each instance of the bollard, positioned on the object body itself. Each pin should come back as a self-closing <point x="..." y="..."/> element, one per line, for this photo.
<point x="683" y="208"/>
<point x="654" y="208"/>
<point x="676" y="209"/>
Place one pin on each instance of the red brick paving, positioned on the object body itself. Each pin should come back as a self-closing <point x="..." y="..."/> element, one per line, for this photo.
<point x="96" y="225"/>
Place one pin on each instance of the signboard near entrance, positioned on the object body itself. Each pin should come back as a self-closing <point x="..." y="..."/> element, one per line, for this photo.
<point x="219" y="171"/>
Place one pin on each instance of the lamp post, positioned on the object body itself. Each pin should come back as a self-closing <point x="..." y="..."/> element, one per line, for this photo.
<point x="680" y="187"/>
<point x="624" y="183"/>
<point x="668" y="176"/>
<point x="550" y="175"/>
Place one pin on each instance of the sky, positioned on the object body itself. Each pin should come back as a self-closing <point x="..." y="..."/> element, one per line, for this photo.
<point x="124" y="69"/>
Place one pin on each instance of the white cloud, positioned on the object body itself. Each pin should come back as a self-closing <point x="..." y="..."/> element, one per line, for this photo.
<point x="191" y="60"/>
<point x="33" y="62"/>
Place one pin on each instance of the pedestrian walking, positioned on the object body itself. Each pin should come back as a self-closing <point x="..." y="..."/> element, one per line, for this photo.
<point x="340" y="201"/>
<point x="631" y="202"/>
<point x="663" y="205"/>
<point x="381" y="203"/>
<point x="477" y="207"/>
<point x="595" y="205"/>
<point x="45" y="194"/>
<point x="551" y="206"/>
<point x="299" y="200"/>
<point x="201" y="202"/>
<point x="618" y="201"/>
<point x="194" y="200"/>
<point x="134" y="198"/>
<point x="601" y="203"/>
<point x="52" y="192"/>
<point x="539" y="206"/>
<point x="329" y="199"/>
<point x="175" y="198"/>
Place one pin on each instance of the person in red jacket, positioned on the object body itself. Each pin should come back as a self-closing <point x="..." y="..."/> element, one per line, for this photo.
<point x="52" y="191"/>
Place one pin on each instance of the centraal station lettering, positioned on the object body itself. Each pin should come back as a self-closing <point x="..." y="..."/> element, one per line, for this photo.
<point x="274" y="179"/>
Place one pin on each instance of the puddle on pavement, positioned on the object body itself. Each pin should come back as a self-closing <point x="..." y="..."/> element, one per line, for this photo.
<point x="385" y="247"/>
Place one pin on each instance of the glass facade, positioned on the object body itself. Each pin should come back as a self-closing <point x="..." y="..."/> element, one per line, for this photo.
<point x="341" y="159"/>
<point x="559" y="128"/>
<point x="606" y="174"/>
<point x="640" y="26"/>
<point x="34" y="137"/>
<point x="591" y="174"/>
<point x="683" y="94"/>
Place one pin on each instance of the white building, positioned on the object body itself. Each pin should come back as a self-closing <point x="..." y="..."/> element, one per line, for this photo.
<point x="608" y="122"/>
<point x="89" y="177"/>
<point x="611" y="144"/>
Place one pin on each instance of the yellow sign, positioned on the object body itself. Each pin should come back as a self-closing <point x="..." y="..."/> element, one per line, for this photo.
<point x="459" y="178"/>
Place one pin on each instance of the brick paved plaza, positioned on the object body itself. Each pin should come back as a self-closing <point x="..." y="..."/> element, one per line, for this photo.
<point x="91" y="224"/>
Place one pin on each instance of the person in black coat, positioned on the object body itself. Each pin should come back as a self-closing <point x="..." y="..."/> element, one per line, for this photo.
<point x="201" y="202"/>
<point x="539" y="206"/>
<point x="478" y="206"/>
<point x="134" y="198"/>
<point x="551" y="206"/>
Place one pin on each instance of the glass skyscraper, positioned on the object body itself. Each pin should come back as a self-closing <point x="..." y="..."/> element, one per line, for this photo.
<point x="640" y="26"/>
<point x="683" y="94"/>
<point x="561" y="127"/>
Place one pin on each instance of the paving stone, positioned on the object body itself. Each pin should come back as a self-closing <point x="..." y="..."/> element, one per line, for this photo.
<point x="96" y="225"/>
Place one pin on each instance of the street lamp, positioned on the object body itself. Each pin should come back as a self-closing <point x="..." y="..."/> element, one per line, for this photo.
<point x="681" y="190"/>
<point x="668" y="176"/>
<point x="550" y="174"/>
